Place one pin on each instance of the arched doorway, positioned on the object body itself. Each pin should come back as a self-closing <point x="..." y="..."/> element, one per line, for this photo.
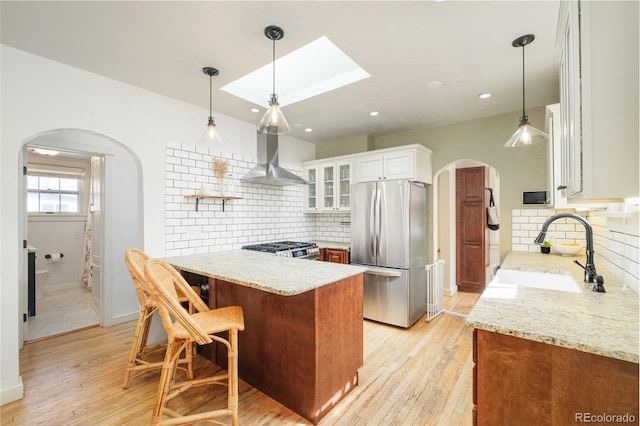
<point x="444" y="236"/>
<point x="121" y="221"/>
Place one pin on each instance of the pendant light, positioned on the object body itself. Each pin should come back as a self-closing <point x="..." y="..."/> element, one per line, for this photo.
<point x="274" y="121"/>
<point x="526" y="133"/>
<point x="211" y="138"/>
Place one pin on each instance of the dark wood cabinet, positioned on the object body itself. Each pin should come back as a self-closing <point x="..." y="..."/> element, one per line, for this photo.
<point x="517" y="381"/>
<point x="334" y="255"/>
<point x="305" y="350"/>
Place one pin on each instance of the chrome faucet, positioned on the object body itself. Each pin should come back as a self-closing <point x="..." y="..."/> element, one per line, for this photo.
<point x="590" y="273"/>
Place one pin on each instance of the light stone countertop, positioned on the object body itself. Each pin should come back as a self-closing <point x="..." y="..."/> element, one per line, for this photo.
<point x="598" y="323"/>
<point x="333" y="245"/>
<point x="265" y="271"/>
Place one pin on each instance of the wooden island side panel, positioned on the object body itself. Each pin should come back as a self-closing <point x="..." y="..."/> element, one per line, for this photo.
<point x="519" y="381"/>
<point x="304" y="351"/>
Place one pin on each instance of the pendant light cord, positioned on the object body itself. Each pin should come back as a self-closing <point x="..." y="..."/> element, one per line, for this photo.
<point x="523" y="113"/>
<point x="210" y="95"/>
<point x="274" y="66"/>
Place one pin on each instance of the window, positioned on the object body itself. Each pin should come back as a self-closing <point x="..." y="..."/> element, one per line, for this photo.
<point x="53" y="189"/>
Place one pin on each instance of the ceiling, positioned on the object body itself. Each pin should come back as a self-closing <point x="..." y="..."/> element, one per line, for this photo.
<point x="162" y="46"/>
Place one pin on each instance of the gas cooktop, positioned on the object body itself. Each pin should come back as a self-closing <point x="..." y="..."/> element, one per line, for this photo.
<point x="286" y="248"/>
<point x="278" y="246"/>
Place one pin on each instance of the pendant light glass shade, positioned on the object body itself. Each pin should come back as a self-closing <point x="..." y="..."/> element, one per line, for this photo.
<point x="526" y="134"/>
<point x="274" y="121"/>
<point x="210" y="138"/>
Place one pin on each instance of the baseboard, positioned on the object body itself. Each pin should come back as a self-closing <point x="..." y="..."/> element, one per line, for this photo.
<point x="125" y="318"/>
<point x="13" y="393"/>
<point x="451" y="291"/>
<point x="64" y="286"/>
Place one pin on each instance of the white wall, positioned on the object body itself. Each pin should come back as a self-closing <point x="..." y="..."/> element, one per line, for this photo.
<point x="54" y="235"/>
<point x="39" y="95"/>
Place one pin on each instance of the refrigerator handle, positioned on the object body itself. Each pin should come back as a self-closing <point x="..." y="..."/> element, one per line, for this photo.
<point x="383" y="273"/>
<point x="372" y="223"/>
<point x="379" y="221"/>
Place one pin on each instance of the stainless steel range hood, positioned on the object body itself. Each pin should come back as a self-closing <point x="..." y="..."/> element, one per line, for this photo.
<point x="268" y="172"/>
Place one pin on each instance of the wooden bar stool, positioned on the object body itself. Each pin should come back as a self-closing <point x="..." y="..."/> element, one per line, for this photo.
<point x="136" y="363"/>
<point x="183" y="329"/>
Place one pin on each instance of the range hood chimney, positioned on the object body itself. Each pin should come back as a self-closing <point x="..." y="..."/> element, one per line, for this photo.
<point x="268" y="172"/>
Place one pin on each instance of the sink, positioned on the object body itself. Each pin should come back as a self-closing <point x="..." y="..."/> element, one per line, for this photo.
<point x="542" y="280"/>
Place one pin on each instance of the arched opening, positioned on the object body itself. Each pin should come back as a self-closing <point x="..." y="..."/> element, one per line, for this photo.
<point x="120" y="224"/>
<point x="444" y="236"/>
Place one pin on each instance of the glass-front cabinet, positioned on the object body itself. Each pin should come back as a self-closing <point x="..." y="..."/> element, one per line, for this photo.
<point x="345" y="175"/>
<point x="336" y="185"/>
<point x="311" y="190"/>
<point x="329" y="188"/>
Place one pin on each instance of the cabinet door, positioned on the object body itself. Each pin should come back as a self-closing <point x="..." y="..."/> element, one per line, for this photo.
<point x="369" y="169"/>
<point x="554" y="158"/>
<point x="328" y="174"/>
<point x="343" y="186"/>
<point x="570" y="119"/>
<point x="311" y="191"/>
<point x="400" y="165"/>
<point x="335" y="255"/>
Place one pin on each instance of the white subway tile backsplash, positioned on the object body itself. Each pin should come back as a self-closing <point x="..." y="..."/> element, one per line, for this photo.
<point x="616" y="239"/>
<point x="264" y="213"/>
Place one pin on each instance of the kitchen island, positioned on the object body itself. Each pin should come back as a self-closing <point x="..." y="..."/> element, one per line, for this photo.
<point x="303" y="338"/>
<point x="555" y="356"/>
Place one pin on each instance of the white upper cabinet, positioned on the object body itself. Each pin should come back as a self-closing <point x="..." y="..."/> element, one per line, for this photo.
<point x="412" y="162"/>
<point x="555" y="186"/>
<point x="329" y="188"/>
<point x="598" y="47"/>
<point x="336" y="186"/>
<point x="311" y="190"/>
<point x="330" y="179"/>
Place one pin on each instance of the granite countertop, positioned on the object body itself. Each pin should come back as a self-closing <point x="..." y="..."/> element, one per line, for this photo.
<point x="598" y="323"/>
<point x="265" y="271"/>
<point x="333" y="245"/>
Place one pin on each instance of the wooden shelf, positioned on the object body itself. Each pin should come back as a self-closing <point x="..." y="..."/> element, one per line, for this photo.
<point x="224" y="198"/>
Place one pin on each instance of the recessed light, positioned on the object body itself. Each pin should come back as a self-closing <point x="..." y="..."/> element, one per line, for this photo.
<point x="308" y="130"/>
<point x="255" y="110"/>
<point x="374" y="113"/>
<point x="434" y="85"/>
<point x="485" y="95"/>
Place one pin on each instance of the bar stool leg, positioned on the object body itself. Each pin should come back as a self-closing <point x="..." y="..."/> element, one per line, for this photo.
<point x="138" y="343"/>
<point x="166" y="377"/>
<point x="232" y="366"/>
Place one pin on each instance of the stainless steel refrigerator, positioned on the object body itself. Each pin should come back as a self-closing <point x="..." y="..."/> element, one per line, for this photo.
<point x="388" y="237"/>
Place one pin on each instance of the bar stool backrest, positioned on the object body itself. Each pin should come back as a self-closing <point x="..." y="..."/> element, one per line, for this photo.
<point x="135" y="260"/>
<point x="165" y="282"/>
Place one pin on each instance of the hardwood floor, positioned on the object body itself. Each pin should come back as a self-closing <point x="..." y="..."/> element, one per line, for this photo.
<point x="420" y="376"/>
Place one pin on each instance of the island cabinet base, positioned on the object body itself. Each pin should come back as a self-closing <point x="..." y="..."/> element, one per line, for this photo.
<point x="519" y="381"/>
<point x="304" y="351"/>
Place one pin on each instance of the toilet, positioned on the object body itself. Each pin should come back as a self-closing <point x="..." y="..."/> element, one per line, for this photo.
<point x="41" y="280"/>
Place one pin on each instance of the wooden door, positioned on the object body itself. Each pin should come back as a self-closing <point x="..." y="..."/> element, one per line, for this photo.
<point x="470" y="228"/>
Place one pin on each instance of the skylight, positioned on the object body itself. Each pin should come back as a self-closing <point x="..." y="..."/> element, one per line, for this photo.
<point x="316" y="68"/>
